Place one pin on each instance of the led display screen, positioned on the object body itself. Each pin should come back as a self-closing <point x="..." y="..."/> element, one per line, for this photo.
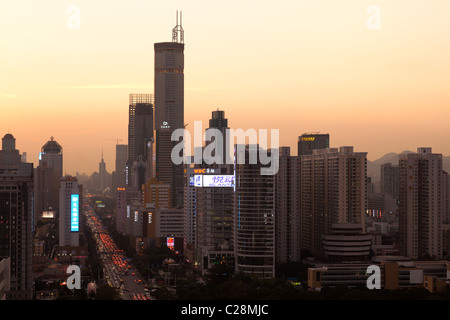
<point x="74" y="225"/>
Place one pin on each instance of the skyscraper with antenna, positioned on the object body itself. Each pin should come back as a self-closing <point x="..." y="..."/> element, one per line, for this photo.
<point x="169" y="80"/>
<point x="169" y="107"/>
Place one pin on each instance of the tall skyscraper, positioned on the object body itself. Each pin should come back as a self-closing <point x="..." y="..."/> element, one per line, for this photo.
<point x="16" y="218"/>
<point x="219" y="122"/>
<point x="118" y="176"/>
<point x="166" y="170"/>
<point x="47" y="178"/>
<point x="421" y="204"/>
<point x="333" y="190"/>
<point x="215" y="216"/>
<point x="254" y="225"/>
<point x="169" y="80"/>
<point x="70" y="200"/>
<point x="169" y="107"/>
<point x="307" y="142"/>
<point x="140" y="137"/>
<point x="287" y="208"/>
<point x="102" y="174"/>
<point x="389" y="179"/>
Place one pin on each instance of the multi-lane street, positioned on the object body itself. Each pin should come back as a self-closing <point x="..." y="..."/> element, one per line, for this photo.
<point x="118" y="270"/>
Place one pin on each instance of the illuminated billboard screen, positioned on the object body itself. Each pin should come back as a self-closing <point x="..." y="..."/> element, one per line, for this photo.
<point x="171" y="243"/>
<point x="75" y="216"/>
<point x="214" y="181"/>
<point x="48" y="214"/>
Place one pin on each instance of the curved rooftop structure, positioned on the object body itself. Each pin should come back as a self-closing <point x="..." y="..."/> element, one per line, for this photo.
<point x="52" y="147"/>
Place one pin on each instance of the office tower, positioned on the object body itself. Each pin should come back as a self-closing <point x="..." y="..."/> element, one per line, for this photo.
<point x="47" y="179"/>
<point x="169" y="108"/>
<point x="215" y="216"/>
<point x="166" y="171"/>
<point x="121" y="156"/>
<point x="51" y="154"/>
<point x="219" y="122"/>
<point x="156" y="193"/>
<point x="102" y="174"/>
<point x="333" y="190"/>
<point x="254" y="229"/>
<point x="124" y="197"/>
<point x="140" y="135"/>
<point x="70" y="211"/>
<point x="421" y="204"/>
<point x="287" y="208"/>
<point x="16" y="218"/>
<point x="389" y="179"/>
<point x="163" y="227"/>
<point x="190" y="204"/>
<point x="169" y="81"/>
<point x="308" y="142"/>
<point x="118" y="176"/>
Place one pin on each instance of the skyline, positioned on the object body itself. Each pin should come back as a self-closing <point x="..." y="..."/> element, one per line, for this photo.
<point x="337" y="76"/>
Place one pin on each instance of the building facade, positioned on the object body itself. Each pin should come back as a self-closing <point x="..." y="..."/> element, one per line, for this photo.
<point x="333" y="190"/>
<point x="254" y="220"/>
<point x="16" y="218"/>
<point x="421" y="204"/>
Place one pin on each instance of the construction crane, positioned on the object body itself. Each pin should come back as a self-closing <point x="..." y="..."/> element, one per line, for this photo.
<point x="115" y="140"/>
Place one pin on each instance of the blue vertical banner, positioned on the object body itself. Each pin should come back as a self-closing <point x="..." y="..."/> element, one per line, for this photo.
<point x="74" y="213"/>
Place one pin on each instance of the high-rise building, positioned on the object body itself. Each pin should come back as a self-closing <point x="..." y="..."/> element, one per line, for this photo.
<point x="308" y="142"/>
<point x="118" y="176"/>
<point x="254" y="223"/>
<point x="102" y="174"/>
<point x="389" y="179"/>
<point x="169" y="81"/>
<point x="333" y="190"/>
<point x="287" y="208"/>
<point x="70" y="200"/>
<point x="166" y="170"/>
<point x="16" y="218"/>
<point x="215" y="216"/>
<point x="156" y="193"/>
<point x="140" y="137"/>
<point x="220" y="123"/>
<point x="421" y="204"/>
<point x="51" y="154"/>
<point x="47" y="178"/>
<point x="169" y="108"/>
<point x="124" y="197"/>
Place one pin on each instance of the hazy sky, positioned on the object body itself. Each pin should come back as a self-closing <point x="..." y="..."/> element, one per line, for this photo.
<point x="294" y="65"/>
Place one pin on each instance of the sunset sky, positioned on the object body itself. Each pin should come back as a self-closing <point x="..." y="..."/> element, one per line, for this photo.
<point x="294" y="65"/>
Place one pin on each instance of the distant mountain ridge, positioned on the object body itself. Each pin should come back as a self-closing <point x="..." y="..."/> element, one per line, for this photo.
<point x="373" y="167"/>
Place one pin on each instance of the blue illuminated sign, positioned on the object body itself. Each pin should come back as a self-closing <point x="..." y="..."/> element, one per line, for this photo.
<point x="74" y="214"/>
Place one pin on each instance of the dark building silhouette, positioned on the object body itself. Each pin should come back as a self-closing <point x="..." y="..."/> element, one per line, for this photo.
<point x="219" y="122"/>
<point x="118" y="176"/>
<point x="140" y="137"/>
<point x="47" y="178"/>
<point x="169" y="109"/>
<point x="16" y="218"/>
<point x="307" y="142"/>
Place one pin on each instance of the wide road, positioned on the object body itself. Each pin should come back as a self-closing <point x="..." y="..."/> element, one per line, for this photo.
<point x="118" y="270"/>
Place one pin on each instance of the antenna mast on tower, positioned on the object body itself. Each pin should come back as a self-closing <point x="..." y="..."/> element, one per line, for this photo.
<point x="178" y="32"/>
